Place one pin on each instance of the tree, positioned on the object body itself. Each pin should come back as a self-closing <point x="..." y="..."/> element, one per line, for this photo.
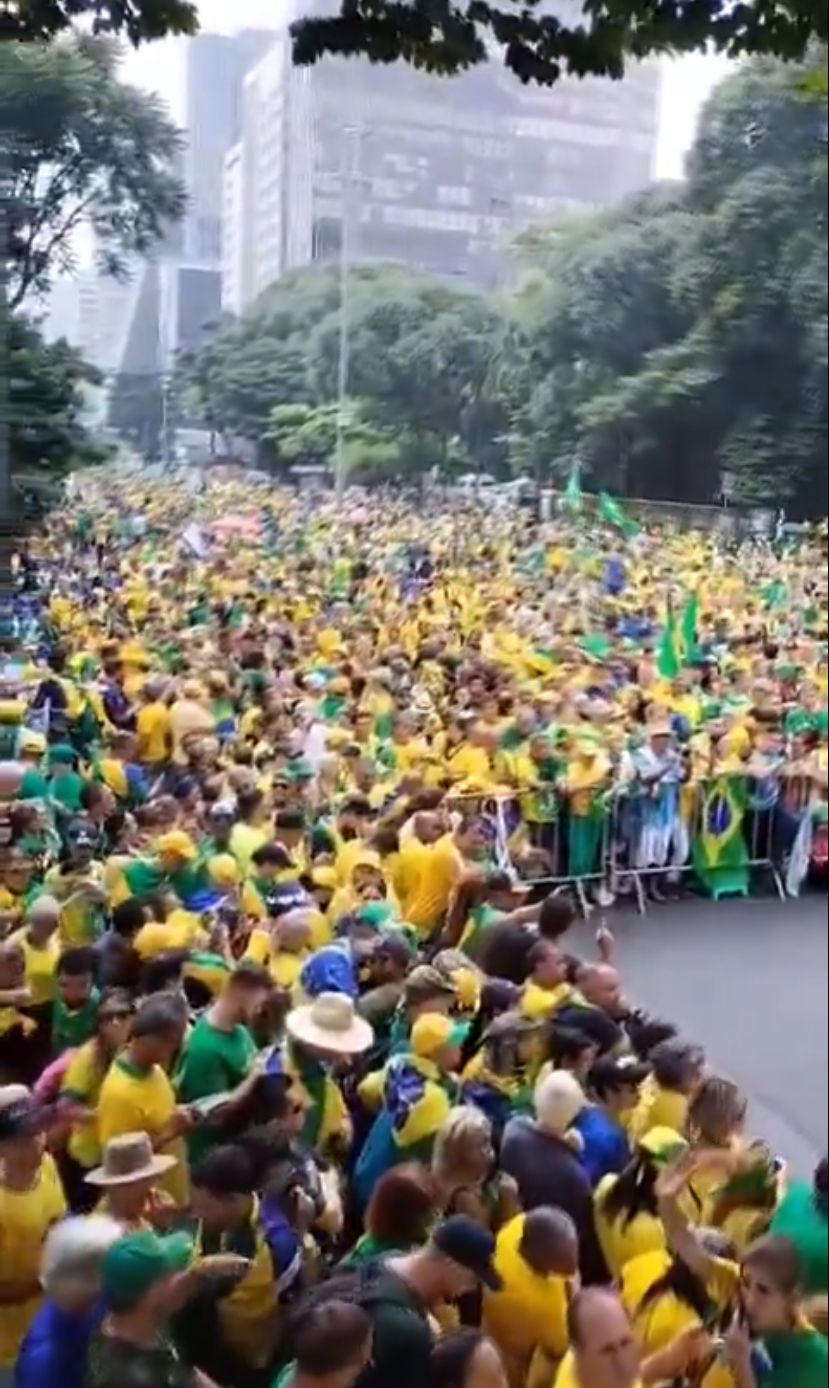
<point x="540" y="45"/>
<point x="81" y="147"/>
<point x="306" y="435"/>
<point x="679" y="341"/>
<point x="420" y="358"/>
<point x="47" y="384"/>
<point x="138" y="20"/>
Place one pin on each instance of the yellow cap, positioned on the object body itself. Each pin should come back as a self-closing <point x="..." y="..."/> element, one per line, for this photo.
<point x="177" y="844"/>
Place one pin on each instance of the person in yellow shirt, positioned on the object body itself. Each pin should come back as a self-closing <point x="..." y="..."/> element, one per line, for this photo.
<point x="547" y="988"/>
<point x="31" y="1201"/>
<point x="536" y="1258"/>
<point x="80" y="1090"/>
<point x="678" y="1069"/>
<point x="137" y="1095"/>
<point x="625" y="1206"/>
<point x="40" y="946"/>
<point x="439" y="872"/>
<point x="604" y="1351"/>
<point x="251" y="830"/>
<point x="153" y="726"/>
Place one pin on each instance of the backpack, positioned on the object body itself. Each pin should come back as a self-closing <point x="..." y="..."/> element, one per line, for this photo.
<point x="367" y="1286"/>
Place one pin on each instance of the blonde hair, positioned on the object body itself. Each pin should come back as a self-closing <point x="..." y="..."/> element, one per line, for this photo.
<point x="715" y="1112"/>
<point x="465" y="1127"/>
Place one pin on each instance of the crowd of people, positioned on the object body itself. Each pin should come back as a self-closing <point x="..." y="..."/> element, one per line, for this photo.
<point x="301" y="1085"/>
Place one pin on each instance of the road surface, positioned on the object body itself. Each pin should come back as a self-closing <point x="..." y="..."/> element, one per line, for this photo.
<point x="748" y="979"/>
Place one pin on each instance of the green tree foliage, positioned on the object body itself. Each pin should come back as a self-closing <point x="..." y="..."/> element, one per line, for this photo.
<point x="420" y="361"/>
<point x="541" y="44"/>
<point x="138" y="20"/>
<point x="80" y="147"/>
<point x="46" y="384"/>
<point x="674" y="344"/>
<point x="306" y="435"/>
<point x="680" y="340"/>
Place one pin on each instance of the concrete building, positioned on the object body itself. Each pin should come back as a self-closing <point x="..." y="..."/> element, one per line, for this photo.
<point x="437" y="173"/>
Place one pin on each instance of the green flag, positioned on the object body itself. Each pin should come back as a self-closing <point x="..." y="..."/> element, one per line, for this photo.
<point x="573" y="495"/>
<point x="669" y="656"/>
<point x="688" y="629"/>
<point x="678" y="646"/>
<point x="612" y="514"/>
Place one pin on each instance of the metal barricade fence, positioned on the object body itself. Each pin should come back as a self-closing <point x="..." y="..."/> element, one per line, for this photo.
<point x="725" y="831"/>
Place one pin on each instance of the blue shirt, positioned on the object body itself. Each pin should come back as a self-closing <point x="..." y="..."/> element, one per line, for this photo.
<point x="54" y="1352"/>
<point x="606" y="1148"/>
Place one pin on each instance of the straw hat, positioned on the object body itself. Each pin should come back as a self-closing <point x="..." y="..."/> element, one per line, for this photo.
<point x="127" y="1159"/>
<point x="330" y="1023"/>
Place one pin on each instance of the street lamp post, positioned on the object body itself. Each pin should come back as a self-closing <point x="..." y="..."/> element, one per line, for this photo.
<point x="349" y="180"/>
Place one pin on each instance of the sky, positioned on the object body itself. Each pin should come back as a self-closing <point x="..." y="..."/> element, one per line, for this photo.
<point x="686" y="81"/>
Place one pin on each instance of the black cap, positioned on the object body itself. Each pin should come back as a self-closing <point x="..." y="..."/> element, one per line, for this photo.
<point x="23" y="1117"/>
<point x="469" y="1245"/>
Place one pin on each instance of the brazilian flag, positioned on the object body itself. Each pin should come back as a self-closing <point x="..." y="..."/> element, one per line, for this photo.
<point x="720" y="853"/>
<point x="678" y="646"/>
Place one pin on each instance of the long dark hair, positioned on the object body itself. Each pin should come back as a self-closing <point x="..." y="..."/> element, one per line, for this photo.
<point x="681" y="1282"/>
<point x="633" y="1192"/>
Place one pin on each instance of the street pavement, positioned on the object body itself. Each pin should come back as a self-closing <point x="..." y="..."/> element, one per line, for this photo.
<point x="748" y="979"/>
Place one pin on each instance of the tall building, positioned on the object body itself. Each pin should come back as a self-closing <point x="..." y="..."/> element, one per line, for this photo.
<point x="437" y="173"/>
<point x="215" y="68"/>
<point x="176" y="297"/>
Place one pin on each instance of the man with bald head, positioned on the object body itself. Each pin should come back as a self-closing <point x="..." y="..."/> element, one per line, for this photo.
<point x="604" y="1352"/>
<point x="537" y="1260"/>
<point x="601" y="986"/>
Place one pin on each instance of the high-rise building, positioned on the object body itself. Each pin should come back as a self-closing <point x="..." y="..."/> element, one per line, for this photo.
<point x="437" y="173"/>
<point x="215" y="68"/>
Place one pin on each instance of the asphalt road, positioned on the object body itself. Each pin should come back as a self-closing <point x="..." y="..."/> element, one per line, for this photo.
<point x="748" y="979"/>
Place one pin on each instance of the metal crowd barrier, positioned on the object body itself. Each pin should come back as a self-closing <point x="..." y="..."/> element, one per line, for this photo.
<point x="727" y="831"/>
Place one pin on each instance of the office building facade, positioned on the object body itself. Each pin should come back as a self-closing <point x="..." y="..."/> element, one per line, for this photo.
<point x="438" y="173"/>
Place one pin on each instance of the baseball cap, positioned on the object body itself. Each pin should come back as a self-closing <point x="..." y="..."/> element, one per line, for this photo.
<point x="136" y="1263"/>
<point x="425" y="981"/>
<point x="433" y="1032"/>
<point x="20" y="1114"/>
<point x="469" y="1245"/>
<point x="222" y="809"/>
<point x="663" y="1145"/>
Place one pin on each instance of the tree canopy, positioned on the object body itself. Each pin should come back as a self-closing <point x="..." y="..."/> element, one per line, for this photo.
<point x="541" y="44"/>
<point x="538" y="45"/>
<point x="81" y="147"/>
<point x="676" y="344"/>
<point x="137" y="20"/>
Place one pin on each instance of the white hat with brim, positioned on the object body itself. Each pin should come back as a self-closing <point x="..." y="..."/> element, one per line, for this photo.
<point x="330" y="1023"/>
<point x="127" y="1159"/>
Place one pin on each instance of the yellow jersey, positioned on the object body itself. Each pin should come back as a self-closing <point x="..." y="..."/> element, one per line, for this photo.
<point x="26" y="1216"/>
<point x="530" y="1310"/>
<point x="134" y="1101"/>
<point x="40" y="963"/>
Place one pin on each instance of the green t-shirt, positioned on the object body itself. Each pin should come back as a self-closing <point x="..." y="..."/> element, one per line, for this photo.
<point x="114" y="1363"/>
<point x="70" y="1029"/>
<point x="800" y="1359"/>
<point x="67" y="791"/>
<point x="33" y="786"/>
<point x="144" y="876"/>
<point x="800" y="1220"/>
<point x="214" y="1062"/>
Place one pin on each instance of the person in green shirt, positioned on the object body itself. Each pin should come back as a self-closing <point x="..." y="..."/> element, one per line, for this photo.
<point x="333" y="1345"/>
<point x="65" y="783"/>
<point x="220" y="1054"/>
<point x="75" y="1009"/>
<point x="803" y="1217"/>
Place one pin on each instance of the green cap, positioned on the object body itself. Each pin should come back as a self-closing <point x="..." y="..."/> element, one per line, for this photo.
<point x="375" y="913"/>
<point x="299" y="770"/>
<point x="136" y="1263"/>
<point x="62" y="755"/>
